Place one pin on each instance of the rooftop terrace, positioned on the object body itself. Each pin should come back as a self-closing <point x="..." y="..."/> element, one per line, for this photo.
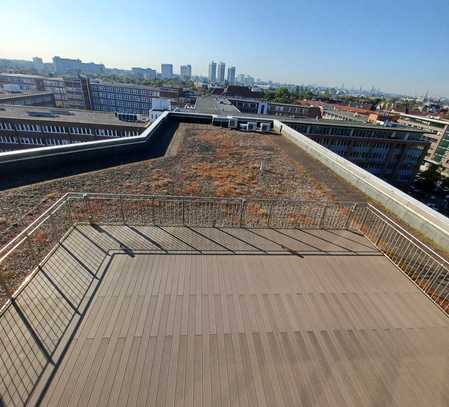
<point x="158" y="300"/>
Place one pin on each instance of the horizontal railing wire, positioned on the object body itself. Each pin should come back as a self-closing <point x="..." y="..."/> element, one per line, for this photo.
<point x="21" y="258"/>
<point x="428" y="270"/>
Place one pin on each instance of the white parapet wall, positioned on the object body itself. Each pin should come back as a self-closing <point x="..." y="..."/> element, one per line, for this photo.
<point x="427" y="221"/>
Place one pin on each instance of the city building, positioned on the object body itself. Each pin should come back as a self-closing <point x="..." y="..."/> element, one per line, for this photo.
<point x="436" y="131"/>
<point x="166" y="71"/>
<point x="144" y="73"/>
<point x="123" y="98"/>
<point x="64" y="66"/>
<point x="28" y="99"/>
<point x="186" y="72"/>
<point x="67" y="91"/>
<point x="393" y="154"/>
<point x="231" y="75"/>
<point x="333" y="113"/>
<point x="67" y="66"/>
<point x="212" y="72"/>
<point x="315" y="290"/>
<point x="221" y="70"/>
<point x="258" y="106"/>
<point x="32" y="127"/>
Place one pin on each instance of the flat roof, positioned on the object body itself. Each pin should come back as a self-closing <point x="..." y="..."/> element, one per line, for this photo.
<point x="325" y="122"/>
<point x="123" y="315"/>
<point x="53" y="114"/>
<point x="440" y="121"/>
<point x="9" y="96"/>
<point x="215" y="105"/>
<point x="22" y="75"/>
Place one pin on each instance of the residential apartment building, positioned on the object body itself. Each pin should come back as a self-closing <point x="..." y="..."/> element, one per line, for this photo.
<point x="212" y="72"/>
<point x="231" y="75"/>
<point x="32" y="127"/>
<point x="144" y="73"/>
<point x="185" y="72"/>
<point x="167" y="71"/>
<point x="221" y="70"/>
<point x="394" y="154"/>
<point x="124" y="98"/>
<point x="67" y="66"/>
<point x="436" y="131"/>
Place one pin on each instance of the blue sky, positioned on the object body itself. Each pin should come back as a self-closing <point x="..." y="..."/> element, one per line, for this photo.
<point x="396" y="45"/>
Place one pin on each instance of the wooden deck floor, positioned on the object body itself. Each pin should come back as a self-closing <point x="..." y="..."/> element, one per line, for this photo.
<point x="173" y="316"/>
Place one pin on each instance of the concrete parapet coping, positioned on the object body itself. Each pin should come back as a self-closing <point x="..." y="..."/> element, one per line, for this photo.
<point x="419" y="216"/>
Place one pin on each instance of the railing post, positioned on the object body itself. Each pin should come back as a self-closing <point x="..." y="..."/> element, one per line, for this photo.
<point x="350" y="214"/>
<point x="269" y="213"/>
<point x="362" y="222"/>
<point x="70" y="211"/>
<point x="86" y="208"/>
<point x="152" y="211"/>
<point x="323" y="215"/>
<point x="381" y="234"/>
<point x="122" y="211"/>
<point x="183" y="213"/>
<point x="242" y="210"/>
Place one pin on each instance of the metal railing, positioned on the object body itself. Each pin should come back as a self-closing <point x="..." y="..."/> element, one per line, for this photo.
<point x="425" y="267"/>
<point x="33" y="248"/>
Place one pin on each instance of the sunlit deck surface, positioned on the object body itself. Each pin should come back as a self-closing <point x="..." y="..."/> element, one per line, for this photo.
<point x="149" y="316"/>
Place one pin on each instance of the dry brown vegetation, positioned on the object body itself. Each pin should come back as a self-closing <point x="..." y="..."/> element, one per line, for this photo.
<point x="206" y="161"/>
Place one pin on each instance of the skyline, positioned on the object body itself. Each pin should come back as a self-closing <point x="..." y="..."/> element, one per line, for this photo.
<point x="324" y="43"/>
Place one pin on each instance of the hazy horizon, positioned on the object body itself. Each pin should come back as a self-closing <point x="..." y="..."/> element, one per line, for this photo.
<point x="399" y="47"/>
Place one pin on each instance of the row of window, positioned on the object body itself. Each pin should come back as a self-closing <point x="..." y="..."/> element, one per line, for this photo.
<point x="48" y="141"/>
<point x="115" y="102"/>
<point x="64" y="130"/>
<point x="121" y="90"/>
<point x="34" y="140"/>
<point x="112" y="96"/>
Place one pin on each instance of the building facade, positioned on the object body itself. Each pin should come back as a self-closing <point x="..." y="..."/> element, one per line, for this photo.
<point x="185" y="72"/>
<point x="167" y="71"/>
<point x="394" y="154"/>
<point x="436" y="131"/>
<point x="221" y="70"/>
<point x="67" y="91"/>
<point x="113" y="97"/>
<point x="32" y="127"/>
<point x="257" y="106"/>
<point x="212" y="76"/>
<point x="231" y="75"/>
<point x="144" y="73"/>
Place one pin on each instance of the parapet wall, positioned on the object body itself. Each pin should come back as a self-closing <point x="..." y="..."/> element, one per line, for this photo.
<point x="428" y="222"/>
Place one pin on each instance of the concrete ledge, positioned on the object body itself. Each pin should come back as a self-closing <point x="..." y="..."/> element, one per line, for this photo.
<point x="427" y="221"/>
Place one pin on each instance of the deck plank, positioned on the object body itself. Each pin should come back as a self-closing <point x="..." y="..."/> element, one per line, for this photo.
<point x="249" y="322"/>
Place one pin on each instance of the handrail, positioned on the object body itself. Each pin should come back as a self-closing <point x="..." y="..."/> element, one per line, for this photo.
<point x="421" y="263"/>
<point x="408" y="235"/>
<point x="32" y="226"/>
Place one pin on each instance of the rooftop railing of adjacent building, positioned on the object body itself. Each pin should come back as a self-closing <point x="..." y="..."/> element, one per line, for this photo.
<point x="35" y="244"/>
